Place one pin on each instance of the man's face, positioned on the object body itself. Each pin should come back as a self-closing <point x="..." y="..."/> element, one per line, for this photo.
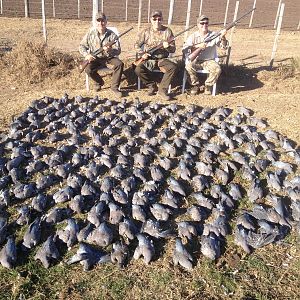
<point x="101" y="24"/>
<point x="203" y="25"/>
<point x="156" y="22"/>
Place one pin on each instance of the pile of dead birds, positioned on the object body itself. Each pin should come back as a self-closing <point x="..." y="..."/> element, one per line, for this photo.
<point x="110" y="180"/>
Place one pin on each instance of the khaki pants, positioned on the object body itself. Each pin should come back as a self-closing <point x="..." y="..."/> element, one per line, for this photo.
<point x="211" y="66"/>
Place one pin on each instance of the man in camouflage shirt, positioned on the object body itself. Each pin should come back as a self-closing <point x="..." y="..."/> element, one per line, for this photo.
<point x="98" y="37"/>
<point x="151" y="37"/>
<point x="206" y="57"/>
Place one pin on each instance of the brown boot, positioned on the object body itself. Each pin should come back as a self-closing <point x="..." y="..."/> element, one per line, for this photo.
<point x="207" y="90"/>
<point x="195" y="90"/>
<point x="97" y="87"/>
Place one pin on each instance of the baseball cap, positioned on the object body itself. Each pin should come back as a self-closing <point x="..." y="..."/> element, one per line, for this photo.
<point x="156" y="13"/>
<point x="100" y="16"/>
<point x="202" y="18"/>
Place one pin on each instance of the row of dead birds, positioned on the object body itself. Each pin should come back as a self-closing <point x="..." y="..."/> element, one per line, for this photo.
<point x="141" y="173"/>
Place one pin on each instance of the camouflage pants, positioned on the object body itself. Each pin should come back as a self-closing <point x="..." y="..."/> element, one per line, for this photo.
<point x="209" y="65"/>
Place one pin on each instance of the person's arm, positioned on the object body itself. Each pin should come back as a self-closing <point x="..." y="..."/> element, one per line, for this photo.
<point x="115" y="49"/>
<point x="84" y="48"/>
<point x="169" y="46"/>
<point x="222" y="41"/>
<point x="140" y="43"/>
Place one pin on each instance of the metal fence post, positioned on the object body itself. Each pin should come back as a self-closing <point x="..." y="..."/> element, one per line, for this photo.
<point x="171" y="9"/>
<point x="188" y="15"/>
<point x="26" y="8"/>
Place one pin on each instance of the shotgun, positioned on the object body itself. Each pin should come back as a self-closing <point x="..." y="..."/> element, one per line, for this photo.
<point x="208" y="39"/>
<point x="83" y="64"/>
<point x="160" y="45"/>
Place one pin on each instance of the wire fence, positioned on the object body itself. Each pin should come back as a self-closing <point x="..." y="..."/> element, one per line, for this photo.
<point x="219" y="11"/>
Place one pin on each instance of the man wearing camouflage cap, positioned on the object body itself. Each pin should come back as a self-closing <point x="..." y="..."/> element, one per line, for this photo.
<point x="97" y="38"/>
<point x="150" y="37"/>
<point x="206" y="58"/>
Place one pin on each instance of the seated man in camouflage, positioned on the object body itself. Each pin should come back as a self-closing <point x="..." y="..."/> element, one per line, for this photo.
<point x="151" y="37"/>
<point x="205" y="59"/>
<point x="97" y="38"/>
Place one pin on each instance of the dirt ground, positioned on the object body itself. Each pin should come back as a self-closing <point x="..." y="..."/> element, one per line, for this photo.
<point x="272" y="94"/>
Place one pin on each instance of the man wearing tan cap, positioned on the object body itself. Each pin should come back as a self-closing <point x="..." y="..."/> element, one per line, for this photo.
<point x="97" y="38"/>
<point x="151" y="37"/>
<point x="206" y="57"/>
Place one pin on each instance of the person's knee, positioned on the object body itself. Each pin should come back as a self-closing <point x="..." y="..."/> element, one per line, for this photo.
<point x="137" y="70"/>
<point x="119" y="64"/>
<point x="88" y="70"/>
<point x="189" y="67"/>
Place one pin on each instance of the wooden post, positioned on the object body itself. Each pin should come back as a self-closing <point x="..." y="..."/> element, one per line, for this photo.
<point x="78" y="9"/>
<point x="140" y="14"/>
<point x="149" y="10"/>
<point x="53" y="8"/>
<point x="126" y="10"/>
<point x="277" y="34"/>
<point x="26" y="8"/>
<point x="44" y="21"/>
<point x="171" y="10"/>
<point x="226" y="13"/>
<point x="102" y="6"/>
<point x="1" y="7"/>
<point x="232" y="30"/>
<point x="298" y="27"/>
<point x="277" y="14"/>
<point x="200" y="9"/>
<point x="252" y="14"/>
<point x="95" y="11"/>
<point x="188" y="15"/>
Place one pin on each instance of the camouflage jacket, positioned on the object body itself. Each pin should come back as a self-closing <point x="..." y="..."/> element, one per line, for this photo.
<point x="149" y="38"/>
<point x="92" y="41"/>
<point x="210" y="52"/>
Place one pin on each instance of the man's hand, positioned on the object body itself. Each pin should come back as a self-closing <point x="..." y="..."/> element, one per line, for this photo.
<point x="223" y="33"/>
<point x="90" y="57"/>
<point x="200" y="46"/>
<point x="146" y="55"/>
<point x="166" y="45"/>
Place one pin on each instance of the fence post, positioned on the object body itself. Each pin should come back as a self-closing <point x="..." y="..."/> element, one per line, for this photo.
<point x="78" y="9"/>
<point x="252" y="14"/>
<point x="277" y="14"/>
<point x="1" y="7"/>
<point x="232" y="30"/>
<point x="298" y="27"/>
<point x="226" y="13"/>
<point x="149" y="8"/>
<point x="140" y="14"/>
<point x="171" y="9"/>
<point x="53" y="8"/>
<point x="44" y="21"/>
<point x="95" y="11"/>
<point x="126" y="10"/>
<point x="277" y="34"/>
<point x="26" y="8"/>
<point x="102" y="6"/>
<point x="200" y="9"/>
<point x="188" y="15"/>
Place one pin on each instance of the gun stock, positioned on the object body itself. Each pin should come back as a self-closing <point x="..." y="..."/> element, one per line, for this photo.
<point x="82" y="65"/>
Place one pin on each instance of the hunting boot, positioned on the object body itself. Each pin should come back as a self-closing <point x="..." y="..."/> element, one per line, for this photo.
<point x="195" y="90"/>
<point x="152" y="89"/>
<point x="207" y="90"/>
<point x="97" y="87"/>
<point x="163" y="94"/>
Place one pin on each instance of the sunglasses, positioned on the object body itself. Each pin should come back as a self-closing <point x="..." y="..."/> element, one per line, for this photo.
<point x="203" y="23"/>
<point x="156" y="19"/>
